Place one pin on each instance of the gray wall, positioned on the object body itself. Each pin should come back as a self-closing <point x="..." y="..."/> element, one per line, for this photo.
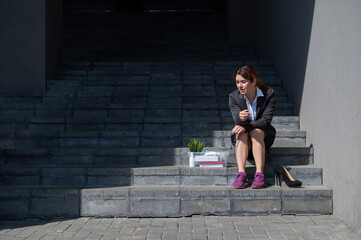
<point x="316" y="48"/>
<point x="315" y="45"/>
<point x="331" y="102"/>
<point x="54" y="36"/>
<point x="282" y="35"/>
<point x="24" y="49"/>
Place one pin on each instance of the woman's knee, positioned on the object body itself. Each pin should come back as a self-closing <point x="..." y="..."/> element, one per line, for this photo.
<point x="257" y="135"/>
<point x="243" y="137"/>
<point x="243" y="141"/>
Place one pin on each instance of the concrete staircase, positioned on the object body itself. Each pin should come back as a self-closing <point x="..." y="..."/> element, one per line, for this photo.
<point x="108" y="138"/>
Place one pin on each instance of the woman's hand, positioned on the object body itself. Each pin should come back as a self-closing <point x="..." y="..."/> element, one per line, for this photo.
<point x="238" y="129"/>
<point x="243" y="115"/>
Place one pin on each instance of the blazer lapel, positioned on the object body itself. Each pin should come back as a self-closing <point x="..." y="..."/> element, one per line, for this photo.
<point x="260" y="102"/>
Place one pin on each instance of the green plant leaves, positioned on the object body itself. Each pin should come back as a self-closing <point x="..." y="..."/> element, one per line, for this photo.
<point x="195" y="145"/>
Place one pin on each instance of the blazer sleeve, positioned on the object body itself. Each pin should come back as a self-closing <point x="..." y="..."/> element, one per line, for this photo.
<point x="235" y="109"/>
<point x="266" y="115"/>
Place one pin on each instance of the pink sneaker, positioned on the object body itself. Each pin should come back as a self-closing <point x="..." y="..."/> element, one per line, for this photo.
<point x="258" y="181"/>
<point x="241" y="180"/>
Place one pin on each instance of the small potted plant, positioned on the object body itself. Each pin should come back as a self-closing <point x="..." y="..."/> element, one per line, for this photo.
<point x="195" y="148"/>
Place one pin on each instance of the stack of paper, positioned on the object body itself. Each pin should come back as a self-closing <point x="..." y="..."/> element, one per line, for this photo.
<point x="212" y="164"/>
<point x="204" y="158"/>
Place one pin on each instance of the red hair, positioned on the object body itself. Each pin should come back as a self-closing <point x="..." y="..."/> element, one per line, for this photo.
<point x="250" y="73"/>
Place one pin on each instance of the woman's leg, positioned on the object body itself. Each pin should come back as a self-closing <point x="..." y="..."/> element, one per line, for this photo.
<point x="242" y="147"/>
<point x="258" y="148"/>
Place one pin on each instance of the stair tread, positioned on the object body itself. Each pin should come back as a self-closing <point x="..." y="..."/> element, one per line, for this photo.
<point x="286" y="119"/>
<point x="146" y="150"/>
<point x="155" y="187"/>
<point x="162" y="169"/>
<point x="120" y="105"/>
<point x="112" y="133"/>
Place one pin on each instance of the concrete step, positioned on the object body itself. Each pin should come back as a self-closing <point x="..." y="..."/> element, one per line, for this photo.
<point x="130" y="97"/>
<point x="93" y="139"/>
<point x="294" y="138"/>
<point x="112" y="76"/>
<point x="287" y="123"/>
<point x="221" y="69"/>
<point x="79" y="176"/>
<point x="159" y="137"/>
<point x="142" y="67"/>
<point x="123" y="110"/>
<point x="117" y="68"/>
<point x="116" y="74"/>
<point x="145" y="157"/>
<point x="310" y="175"/>
<point x="16" y="97"/>
<point x="160" y="201"/>
<point x="175" y="90"/>
<point x="105" y="176"/>
<point x="119" y="81"/>
<point x="144" y="97"/>
<point x="279" y="122"/>
<point x="119" y="54"/>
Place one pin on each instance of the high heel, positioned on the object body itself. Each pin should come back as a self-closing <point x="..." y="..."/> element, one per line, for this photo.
<point x="282" y="173"/>
<point x="278" y="179"/>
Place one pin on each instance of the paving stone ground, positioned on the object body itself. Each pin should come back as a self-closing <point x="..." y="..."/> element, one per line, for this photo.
<point x="273" y="227"/>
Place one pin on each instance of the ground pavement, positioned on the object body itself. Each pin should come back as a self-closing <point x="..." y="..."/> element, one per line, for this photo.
<point x="196" y="227"/>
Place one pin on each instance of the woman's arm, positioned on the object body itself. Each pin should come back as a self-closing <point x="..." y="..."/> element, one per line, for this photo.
<point x="267" y="114"/>
<point x="238" y="129"/>
<point x="236" y="111"/>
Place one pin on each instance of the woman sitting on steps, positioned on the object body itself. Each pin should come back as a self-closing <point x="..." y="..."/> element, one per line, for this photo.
<point x="252" y="106"/>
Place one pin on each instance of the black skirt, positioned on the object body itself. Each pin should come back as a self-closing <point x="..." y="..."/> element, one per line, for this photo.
<point x="269" y="137"/>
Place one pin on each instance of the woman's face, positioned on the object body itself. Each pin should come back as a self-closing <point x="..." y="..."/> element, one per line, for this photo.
<point x="244" y="85"/>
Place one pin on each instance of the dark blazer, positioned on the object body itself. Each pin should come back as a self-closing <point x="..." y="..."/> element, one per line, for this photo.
<point x="265" y="110"/>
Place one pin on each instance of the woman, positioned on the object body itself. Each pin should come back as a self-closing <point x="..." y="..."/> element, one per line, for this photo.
<point x="252" y="106"/>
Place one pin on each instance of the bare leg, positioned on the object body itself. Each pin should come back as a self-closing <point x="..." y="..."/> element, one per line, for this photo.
<point x="242" y="147"/>
<point x="258" y="148"/>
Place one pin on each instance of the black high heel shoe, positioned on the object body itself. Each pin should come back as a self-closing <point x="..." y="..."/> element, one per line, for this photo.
<point x="282" y="173"/>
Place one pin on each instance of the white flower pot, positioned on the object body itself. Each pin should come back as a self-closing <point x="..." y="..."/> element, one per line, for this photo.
<point x="192" y="156"/>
